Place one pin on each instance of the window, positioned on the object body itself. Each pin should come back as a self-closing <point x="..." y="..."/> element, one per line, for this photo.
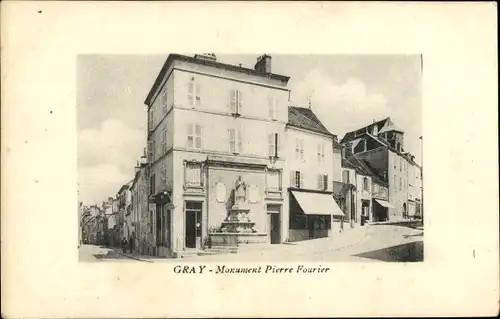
<point x="345" y="177"/>
<point x="321" y="153"/>
<point x="400" y="164"/>
<point x="163" y="175"/>
<point x="194" y="98"/>
<point x="365" y="184"/>
<point x="151" y="151"/>
<point x="193" y="174"/>
<point x="395" y="183"/>
<point x="299" y="148"/>
<point x="273" y="180"/>
<point x="194" y="136"/>
<point x="400" y="184"/>
<point x="164" y="141"/>
<point x="151" y="118"/>
<point x="235" y="141"/>
<point x="151" y="222"/>
<point x="152" y="185"/>
<point x="273" y="142"/>
<point x="322" y="182"/>
<point x="163" y="101"/>
<point x="273" y="108"/>
<point x="296" y="179"/>
<point x="235" y="101"/>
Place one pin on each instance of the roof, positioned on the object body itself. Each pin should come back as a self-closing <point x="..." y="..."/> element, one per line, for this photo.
<point x="351" y="135"/>
<point x="351" y="161"/>
<point x="305" y="118"/>
<point x="340" y="189"/>
<point x="126" y="186"/>
<point x="377" y="175"/>
<point x="390" y="127"/>
<point x="178" y="57"/>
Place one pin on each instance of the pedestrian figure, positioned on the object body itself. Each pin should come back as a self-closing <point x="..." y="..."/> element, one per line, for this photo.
<point x="131" y="242"/>
<point x="124" y="245"/>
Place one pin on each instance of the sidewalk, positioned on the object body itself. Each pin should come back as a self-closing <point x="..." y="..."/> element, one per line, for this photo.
<point x="137" y="256"/>
<point x="286" y="251"/>
<point x="347" y="238"/>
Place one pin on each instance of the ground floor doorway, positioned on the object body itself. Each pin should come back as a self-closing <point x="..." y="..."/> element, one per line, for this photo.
<point x="380" y="213"/>
<point x="365" y="211"/>
<point x="193" y="213"/>
<point x="274" y="223"/>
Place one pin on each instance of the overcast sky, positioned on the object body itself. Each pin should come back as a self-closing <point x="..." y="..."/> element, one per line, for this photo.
<point x="348" y="91"/>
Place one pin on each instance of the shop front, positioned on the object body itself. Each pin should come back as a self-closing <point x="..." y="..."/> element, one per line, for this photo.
<point x="381" y="210"/>
<point x="311" y="214"/>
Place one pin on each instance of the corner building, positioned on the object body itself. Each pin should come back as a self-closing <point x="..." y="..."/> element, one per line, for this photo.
<point x="208" y="123"/>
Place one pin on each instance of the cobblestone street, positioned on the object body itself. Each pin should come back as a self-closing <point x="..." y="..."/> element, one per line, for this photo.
<point x="385" y="242"/>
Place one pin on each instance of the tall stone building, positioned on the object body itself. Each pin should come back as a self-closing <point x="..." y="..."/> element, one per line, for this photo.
<point x="381" y="146"/>
<point x="208" y="123"/>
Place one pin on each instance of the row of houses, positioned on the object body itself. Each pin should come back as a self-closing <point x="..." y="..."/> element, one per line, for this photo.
<point x="211" y="124"/>
<point x="93" y="223"/>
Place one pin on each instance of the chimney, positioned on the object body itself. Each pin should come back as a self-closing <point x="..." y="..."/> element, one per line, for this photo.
<point x="206" y="57"/>
<point x="263" y="64"/>
<point x="144" y="159"/>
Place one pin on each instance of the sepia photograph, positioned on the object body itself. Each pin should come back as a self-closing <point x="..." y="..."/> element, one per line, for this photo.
<point x="258" y="157"/>
<point x="281" y="175"/>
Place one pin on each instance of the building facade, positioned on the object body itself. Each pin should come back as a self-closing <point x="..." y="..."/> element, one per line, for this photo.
<point x="210" y="119"/>
<point x="139" y="207"/>
<point x="124" y="210"/>
<point x="381" y="147"/>
<point x="309" y="170"/>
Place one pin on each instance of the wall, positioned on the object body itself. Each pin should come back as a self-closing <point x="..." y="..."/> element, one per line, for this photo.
<point x="337" y="162"/>
<point x="414" y="182"/>
<point x="309" y="166"/>
<point x="214" y="95"/>
<point x="215" y="135"/>
<point x="155" y="169"/>
<point x="397" y="196"/>
<point x="349" y="204"/>
<point x="156" y="136"/>
<point x="221" y="73"/>
<point x="362" y="194"/>
<point x="217" y="211"/>
<point x="378" y="158"/>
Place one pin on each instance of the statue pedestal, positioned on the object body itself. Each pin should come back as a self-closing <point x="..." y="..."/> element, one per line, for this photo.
<point x="238" y="229"/>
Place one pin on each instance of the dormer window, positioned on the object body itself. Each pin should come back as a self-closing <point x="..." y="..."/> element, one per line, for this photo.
<point x="375" y="130"/>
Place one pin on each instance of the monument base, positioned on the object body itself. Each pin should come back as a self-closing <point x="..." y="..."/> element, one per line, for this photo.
<point x="237" y="239"/>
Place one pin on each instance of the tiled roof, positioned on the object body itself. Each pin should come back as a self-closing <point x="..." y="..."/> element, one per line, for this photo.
<point x="340" y="189"/>
<point x="351" y="161"/>
<point x="305" y="118"/>
<point x="350" y="135"/>
<point x="389" y="128"/>
<point x="377" y="175"/>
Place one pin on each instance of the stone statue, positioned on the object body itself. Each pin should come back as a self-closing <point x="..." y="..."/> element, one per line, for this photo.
<point x="240" y="191"/>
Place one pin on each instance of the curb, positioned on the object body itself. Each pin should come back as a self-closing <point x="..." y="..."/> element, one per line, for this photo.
<point x="131" y="257"/>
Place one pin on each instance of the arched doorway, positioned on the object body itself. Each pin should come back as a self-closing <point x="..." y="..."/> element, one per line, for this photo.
<point x="404" y="210"/>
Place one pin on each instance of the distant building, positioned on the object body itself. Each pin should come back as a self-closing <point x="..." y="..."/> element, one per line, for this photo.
<point x="124" y="210"/>
<point x="381" y="145"/>
<point x="139" y="206"/>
